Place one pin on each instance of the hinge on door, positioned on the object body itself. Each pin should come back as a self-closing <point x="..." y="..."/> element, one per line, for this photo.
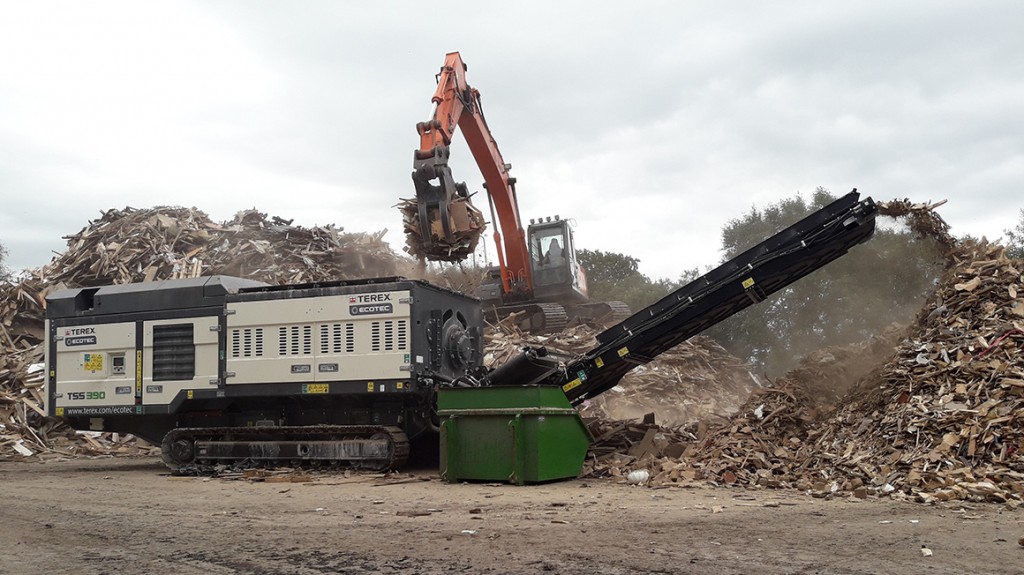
<point x="229" y="311"/>
<point x="405" y="300"/>
<point x="215" y="327"/>
<point x="228" y="374"/>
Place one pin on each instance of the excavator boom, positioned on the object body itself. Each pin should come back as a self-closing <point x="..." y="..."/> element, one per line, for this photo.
<point x="457" y="105"/>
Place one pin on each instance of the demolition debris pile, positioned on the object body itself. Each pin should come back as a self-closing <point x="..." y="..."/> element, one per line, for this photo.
<point x="943" y="417"/>
<point x="932" y="411"/>
<point x="938" y="419"/>
<point x="136" y="245"/>
<point x="695" y="380"/>
<point x="759" y="443"/>
<point x="133" y="245"/>
<point x="766" y="442"/>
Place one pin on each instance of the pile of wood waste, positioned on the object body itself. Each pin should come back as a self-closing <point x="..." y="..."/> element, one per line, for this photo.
<point x="943" y="418"/>
<point x="932" y="411"/>
<point x="939" y="417"/>
<point x="138" y="245"/>
<point x="742" y="449"/>
<point x="695" y="380"/>
<point x="465" y="227"/>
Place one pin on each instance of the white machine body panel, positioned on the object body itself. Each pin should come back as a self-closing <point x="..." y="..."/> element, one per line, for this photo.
<point x="306" y="340"/>
<point x="95" y="366"/>
<point x="160" y="386"/>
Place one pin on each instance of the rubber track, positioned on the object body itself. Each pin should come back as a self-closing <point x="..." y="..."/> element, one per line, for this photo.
<point x="554" y="317"/>
<point x="618" y="311"/>
<point x="399" y="452"/>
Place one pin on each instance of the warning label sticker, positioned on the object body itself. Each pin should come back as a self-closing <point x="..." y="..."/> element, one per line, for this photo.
<point x="93" y="362"/>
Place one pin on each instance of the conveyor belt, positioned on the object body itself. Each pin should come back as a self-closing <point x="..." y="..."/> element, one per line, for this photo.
<point x="744" y="280"/>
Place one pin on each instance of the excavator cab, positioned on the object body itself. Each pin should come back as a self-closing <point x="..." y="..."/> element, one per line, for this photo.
<point x="557" y="273"/>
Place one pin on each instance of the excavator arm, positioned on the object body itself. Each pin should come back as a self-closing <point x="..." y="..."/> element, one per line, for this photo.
<point x="440" y="200"/>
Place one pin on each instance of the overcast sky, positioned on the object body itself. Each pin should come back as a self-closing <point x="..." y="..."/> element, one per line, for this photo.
<point x="650" y="123"/>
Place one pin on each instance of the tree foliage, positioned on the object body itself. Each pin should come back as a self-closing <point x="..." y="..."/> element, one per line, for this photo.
<point x="877" y="283"/>
<point x="616" y="277"/>
<point x="882" y="281"/>
<point x="1015" y="239"/>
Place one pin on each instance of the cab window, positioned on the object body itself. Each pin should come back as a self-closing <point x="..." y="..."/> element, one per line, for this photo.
<point x="549" y="247"/>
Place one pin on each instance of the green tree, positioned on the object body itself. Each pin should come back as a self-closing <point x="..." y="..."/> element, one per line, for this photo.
<point x="616" y="277"/>
<point x="882" y="281"/>
<point x="1015" y="239"/>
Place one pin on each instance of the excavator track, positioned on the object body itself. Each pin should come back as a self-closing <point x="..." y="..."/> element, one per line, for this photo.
<point x="599" y="314"/>
<point x="198" y="450"/>
<point x="555" y="318"/>
<point x="533" y="317"/>
<point x="618" y="311"/>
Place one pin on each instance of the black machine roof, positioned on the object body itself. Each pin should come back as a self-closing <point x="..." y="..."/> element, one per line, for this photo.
<point x="188" y="293"/>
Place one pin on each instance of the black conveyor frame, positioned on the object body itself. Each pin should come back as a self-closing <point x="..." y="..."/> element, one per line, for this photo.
<point x="768" y="267"/>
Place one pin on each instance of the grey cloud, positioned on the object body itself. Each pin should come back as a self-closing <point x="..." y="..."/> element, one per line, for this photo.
<point x="652" y="124"/>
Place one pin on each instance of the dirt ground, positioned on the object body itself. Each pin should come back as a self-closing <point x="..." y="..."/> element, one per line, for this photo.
<point x="128" y="516"/>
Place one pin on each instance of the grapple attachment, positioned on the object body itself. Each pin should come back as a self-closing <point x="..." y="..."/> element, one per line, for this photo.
<point x="441" y="224"/>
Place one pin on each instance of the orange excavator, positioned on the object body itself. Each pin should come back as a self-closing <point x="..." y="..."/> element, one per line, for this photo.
<point x="539" y="279"/>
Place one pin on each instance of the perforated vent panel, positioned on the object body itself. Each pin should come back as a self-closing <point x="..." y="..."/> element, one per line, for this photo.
<point x="295" y="340"/>
<point x="247" y="342"/>
<point x="389" y="335"/>
<point x="337" y="338"/>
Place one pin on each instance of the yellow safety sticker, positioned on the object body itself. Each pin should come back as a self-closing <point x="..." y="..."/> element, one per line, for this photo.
<point x="138" y="372"/>
<point x="93" y="362"/>
<point x="574" y="383"/>
<point x="316" y="388"/>
<point x="369" y="387"/>
<point x="748" y="283"/>
<point x="60" y="412"/>
<point x="399" y="385"/>
<point x="624" y="352"/>
<point x="599" y="362"/>
<point x="190" y="394"/>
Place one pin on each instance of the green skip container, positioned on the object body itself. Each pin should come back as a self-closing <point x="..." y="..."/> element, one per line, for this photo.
<point x="515" y="434"/>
